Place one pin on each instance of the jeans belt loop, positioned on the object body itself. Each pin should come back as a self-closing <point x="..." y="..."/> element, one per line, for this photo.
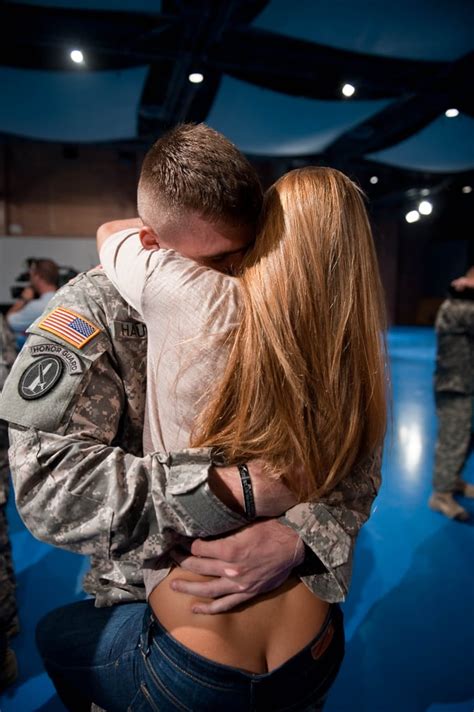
<point x="146" y="637"/>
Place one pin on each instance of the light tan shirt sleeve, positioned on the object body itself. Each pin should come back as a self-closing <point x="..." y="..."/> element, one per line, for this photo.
<point x="127" y="264"/>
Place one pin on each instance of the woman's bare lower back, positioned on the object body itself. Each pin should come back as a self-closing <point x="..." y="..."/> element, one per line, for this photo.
<point x="257" y="636"/>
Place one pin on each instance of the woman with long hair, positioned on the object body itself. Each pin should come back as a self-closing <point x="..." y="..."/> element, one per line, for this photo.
<point x="305" y="390"/>
<point x="291" y="371"/>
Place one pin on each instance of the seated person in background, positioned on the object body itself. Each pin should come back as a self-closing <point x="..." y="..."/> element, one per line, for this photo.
<point x="44" y="280"/>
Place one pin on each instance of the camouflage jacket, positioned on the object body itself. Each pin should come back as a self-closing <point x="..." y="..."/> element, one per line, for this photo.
<point x="80" y="478"/>
<point x="455" y="346"/>
<point x="7" y="350"/>
<point x="7" y="357"/>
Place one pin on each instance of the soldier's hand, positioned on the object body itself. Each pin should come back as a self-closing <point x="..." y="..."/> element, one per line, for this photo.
<point x="256" y="559"/>
<point x="463" y="283"/>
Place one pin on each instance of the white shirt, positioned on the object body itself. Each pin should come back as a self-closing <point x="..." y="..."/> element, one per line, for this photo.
<point x="188" y="310"/>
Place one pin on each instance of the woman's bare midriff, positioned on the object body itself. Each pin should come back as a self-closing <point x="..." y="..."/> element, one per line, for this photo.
<point x="257" y="636"/>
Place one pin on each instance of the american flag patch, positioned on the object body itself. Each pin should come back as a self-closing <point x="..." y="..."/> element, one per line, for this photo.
<point x="70" y="326"/>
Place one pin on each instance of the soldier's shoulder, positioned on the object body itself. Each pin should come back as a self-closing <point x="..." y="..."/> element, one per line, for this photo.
<point x="91" y="291"/>
<point x="93" y="283"/>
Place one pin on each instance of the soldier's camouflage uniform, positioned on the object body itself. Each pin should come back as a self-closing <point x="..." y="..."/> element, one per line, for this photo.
<point x="82" y="484"/>
<point x="8" y="609"/>
<point x="454" y="390"/>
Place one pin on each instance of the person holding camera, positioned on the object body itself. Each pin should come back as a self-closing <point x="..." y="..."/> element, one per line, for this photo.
<point x="44" y="281"/>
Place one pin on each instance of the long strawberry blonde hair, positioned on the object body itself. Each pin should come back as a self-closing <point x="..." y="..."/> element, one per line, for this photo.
<point x="305" y="384"/>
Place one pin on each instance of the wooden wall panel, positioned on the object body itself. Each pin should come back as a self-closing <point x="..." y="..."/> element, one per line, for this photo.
<point x="56" y="191"/>
<point x="386" y="239"/>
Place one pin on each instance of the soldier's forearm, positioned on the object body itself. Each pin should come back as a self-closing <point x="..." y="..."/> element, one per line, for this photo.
<point x="84" y="496"/>
<point x="329" y="528"/>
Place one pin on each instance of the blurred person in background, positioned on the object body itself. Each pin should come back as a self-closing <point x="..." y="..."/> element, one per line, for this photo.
<point x="44" y="281"/>
<point x="8" y="609"/>
<point x="454" y="393"/>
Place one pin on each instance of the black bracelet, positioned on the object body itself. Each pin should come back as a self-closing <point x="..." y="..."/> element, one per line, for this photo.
<point x="249" y="501"/>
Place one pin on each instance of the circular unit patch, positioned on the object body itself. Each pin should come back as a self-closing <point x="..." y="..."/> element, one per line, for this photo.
<point x="40" y="377"/>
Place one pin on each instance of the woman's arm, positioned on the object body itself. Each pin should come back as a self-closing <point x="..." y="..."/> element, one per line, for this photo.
<point x="109" y="228"/>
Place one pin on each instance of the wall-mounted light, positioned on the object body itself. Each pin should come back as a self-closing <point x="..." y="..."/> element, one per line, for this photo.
<point x="425" y="207"/>
<point x="412" y="216"/>
<point x="196" y="78"/>
<point x="374" y="180"/>
<point x="77" y="56"/>
<point x="348" y="90"/>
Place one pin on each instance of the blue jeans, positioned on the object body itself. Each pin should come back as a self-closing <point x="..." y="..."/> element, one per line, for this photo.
<point x="122" y="659"/>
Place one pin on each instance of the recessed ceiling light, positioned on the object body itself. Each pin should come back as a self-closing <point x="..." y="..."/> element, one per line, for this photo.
<point x="196" y="78"/>
<point x="374" y="180"/>
<point x="77" y="56"/>
<point x="424" y="192"/>
<point x="451" y="113"/>
<point x="467" y="189"/>
<point x="348" y="90"/>
<point x="412" y="216"/>
<point x="425" y="207"/>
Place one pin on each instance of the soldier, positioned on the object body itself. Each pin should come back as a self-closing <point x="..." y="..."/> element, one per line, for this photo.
<point x="75" y="401"/>
<point x="454" y="392"/>
<point x="82" y="484"/>
<point x="8" y="611"/>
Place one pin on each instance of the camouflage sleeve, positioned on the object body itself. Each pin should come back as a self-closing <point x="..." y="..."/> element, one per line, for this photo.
<point x="75" y="490"/>
<point x="329" y="529"/>
<point x="7" y="350"/>
<point x="454" y="370"/>
<point x="79" y="494"/>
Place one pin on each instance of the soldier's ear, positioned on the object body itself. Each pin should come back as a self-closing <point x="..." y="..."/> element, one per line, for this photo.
<point x="149" y="238"/>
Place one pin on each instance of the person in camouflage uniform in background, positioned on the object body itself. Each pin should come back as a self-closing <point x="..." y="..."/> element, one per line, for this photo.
<point x="8" y="611"/>
<point x="454" y="394"/>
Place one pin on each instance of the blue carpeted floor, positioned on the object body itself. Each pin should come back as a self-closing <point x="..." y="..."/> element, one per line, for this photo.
<point x="409" y="617"/>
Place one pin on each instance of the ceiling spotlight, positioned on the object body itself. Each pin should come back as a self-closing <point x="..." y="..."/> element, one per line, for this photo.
<point x="424" y="192"/>
<point x="451" y="113"/>
<point x="412" y="216"/>
<point x="77" y="56"/>
<point x="374" y="180"/>
<point x="348" y="90"/>
<point x="425" y="207"/>
<point x="467" y="189"/>
<point x="196" y="78"/>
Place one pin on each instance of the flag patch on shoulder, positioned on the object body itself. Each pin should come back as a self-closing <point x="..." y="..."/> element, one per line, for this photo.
<point x="70" y="326"/>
